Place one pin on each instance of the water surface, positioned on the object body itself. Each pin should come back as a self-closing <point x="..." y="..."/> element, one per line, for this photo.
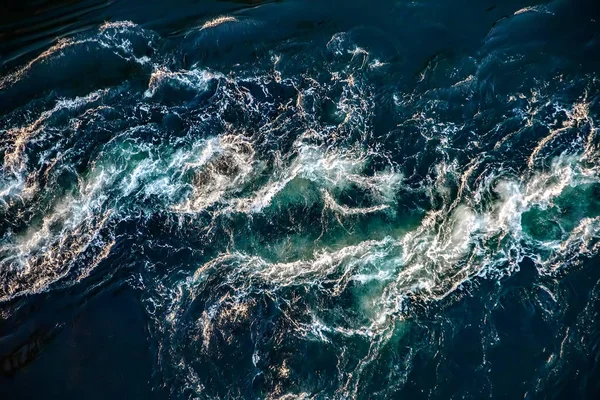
<point x="299" y="199"/>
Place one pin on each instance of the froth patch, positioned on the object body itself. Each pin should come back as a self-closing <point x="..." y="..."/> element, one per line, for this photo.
<point x="163" y="80"/>
<point x="217" y="21"/>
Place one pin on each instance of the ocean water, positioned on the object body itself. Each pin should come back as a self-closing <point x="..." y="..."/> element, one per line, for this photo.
<point x="300" y="199"/>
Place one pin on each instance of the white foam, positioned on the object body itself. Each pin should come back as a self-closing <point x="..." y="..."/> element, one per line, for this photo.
<point x="217" y="21"/>
<point x="193" y="79"/>
<point x="45" y="254"/>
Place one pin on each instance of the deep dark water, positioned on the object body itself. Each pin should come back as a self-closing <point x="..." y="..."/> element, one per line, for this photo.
<point x="299" y="199"/>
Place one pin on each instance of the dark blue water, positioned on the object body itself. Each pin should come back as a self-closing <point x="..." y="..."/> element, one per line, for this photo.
<point x="299" y="199"/>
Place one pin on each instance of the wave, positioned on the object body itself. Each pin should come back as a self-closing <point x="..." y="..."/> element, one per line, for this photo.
<point x="307" y="223"/>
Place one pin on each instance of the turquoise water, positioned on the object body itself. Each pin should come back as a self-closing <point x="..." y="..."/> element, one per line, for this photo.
<point x="294" y="200"/>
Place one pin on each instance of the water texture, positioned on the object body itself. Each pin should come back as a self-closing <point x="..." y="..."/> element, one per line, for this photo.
<point x="300" y="200"/>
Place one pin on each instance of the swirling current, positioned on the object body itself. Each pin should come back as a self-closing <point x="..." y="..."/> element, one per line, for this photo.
<point x="300" y="200"/>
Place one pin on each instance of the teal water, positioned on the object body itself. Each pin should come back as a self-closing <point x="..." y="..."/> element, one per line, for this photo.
<point x="294" y="200"/>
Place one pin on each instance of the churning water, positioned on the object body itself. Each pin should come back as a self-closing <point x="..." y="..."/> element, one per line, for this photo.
<point x="300" y="200"/>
